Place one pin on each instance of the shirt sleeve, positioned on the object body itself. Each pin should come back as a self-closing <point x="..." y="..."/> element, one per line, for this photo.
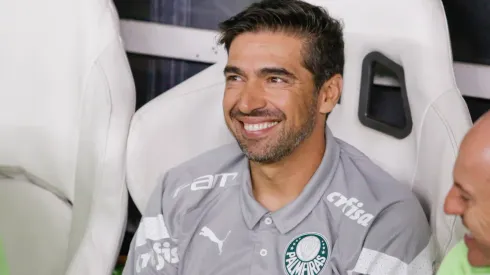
<point x="456" y="263"/>
<point x="398" y="243"/>
<point x="153" y="249"/>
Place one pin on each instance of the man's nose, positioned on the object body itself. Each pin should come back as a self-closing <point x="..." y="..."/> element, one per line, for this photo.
<point x="454" y="203"/>
<point x="252" y="97"/>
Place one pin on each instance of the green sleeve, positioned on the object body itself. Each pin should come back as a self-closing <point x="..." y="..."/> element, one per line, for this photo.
<point x="3" y="261"/>
<point x="456" y="263"/>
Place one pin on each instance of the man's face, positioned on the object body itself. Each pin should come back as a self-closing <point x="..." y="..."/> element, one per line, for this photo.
<point x="270" y="101"/>
<point x="469" y="198"/>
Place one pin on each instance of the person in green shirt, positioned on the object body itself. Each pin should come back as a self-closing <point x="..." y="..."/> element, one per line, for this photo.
<point x="3" y="261"/>
<point x="469" y="198"/>
<point x="456" y="262"/>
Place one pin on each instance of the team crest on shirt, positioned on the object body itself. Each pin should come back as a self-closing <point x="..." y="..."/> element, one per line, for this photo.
<point x="307" y="254"/>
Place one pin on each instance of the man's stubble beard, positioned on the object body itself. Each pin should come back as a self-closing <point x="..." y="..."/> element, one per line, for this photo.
<point x="286" y="142"/>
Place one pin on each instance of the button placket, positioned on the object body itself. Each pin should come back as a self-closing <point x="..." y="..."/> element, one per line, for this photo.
<point x="263" y="252"/>
<point x="264" y="248"/>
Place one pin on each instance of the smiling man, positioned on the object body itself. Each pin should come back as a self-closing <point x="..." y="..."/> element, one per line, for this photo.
<point x="288" y="197"/>
<point x="470" y="199"/>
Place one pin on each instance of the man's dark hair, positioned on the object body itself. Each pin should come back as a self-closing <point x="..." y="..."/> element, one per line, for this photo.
<point x="323" y="50"/>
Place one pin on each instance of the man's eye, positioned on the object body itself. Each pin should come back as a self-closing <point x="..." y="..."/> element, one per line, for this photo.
<point x="464" y="195"/>
<point x="275" y="79"/>
<point x="233" y="78"/>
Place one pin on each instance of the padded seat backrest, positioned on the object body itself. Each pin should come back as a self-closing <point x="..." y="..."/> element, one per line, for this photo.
<point x="399" y="61"/>
<point x="66" y="100"/>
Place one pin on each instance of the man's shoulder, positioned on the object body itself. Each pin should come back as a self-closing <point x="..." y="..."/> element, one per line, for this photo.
<point x="365" y="192"/>
<point x="212" y="171"/>
<point x="389" y="218"/>
<point x="371" y="178"/>
<point x="215" y="159"/>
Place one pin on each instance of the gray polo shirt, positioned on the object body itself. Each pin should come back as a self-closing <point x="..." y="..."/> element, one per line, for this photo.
<point x="351" y="218"/>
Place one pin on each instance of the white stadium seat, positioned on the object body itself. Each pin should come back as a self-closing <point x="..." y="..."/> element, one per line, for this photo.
<point x="414" y="35"/>
<point x="408" y="37"/>
<point x="66" y="100"/>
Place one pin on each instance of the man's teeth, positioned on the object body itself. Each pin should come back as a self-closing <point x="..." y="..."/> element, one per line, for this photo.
<point x="259" y="126"/>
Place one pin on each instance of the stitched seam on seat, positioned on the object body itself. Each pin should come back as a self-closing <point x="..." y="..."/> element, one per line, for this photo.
<point x="87" y="233"/>
<point x="419" y="135"/>
<point x="100" y="174"/>
<point x="454" y="151"/>
<point x="85" y="80"/>
<point x="13" y="172"/>
<point x="453" y="145"/>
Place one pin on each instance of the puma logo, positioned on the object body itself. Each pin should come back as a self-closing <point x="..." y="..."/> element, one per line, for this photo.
<point x="206" y="232"/>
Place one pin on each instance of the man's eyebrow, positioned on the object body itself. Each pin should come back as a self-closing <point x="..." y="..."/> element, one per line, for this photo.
<point x="232" y="70"/>
<point x="461" y="187"/>
<point x="276" y="71"/>
<point x="229" y="69"/>
<point x="457" y="184"/>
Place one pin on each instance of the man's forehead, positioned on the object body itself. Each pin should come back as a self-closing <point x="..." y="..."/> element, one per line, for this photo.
<point x="253" y="52"/>
<point x="474" y="152"/>
<point x="268" y="39"/>
<point x="266" y="47"/>
<point x="470" y="169"/>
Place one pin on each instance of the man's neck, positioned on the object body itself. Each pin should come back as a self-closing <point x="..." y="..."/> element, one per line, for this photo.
<point x="277" y="184"/>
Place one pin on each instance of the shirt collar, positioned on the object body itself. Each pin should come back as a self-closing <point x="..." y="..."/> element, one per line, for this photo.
<point x="295" y="212"/>
<point x="251" y="209"/>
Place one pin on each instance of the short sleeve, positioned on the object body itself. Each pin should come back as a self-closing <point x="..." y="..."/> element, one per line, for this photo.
<point x="398" y="243"/>
<point x="153" y="249"/>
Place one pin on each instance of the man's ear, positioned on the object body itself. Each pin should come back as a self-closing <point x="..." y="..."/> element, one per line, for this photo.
<point x="330" y="93"/>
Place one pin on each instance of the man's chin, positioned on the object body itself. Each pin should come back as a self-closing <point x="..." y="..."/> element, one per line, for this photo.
<point x="477" y="258"/>
<point x="259" y="156"/>
<point x="261" y="153"/>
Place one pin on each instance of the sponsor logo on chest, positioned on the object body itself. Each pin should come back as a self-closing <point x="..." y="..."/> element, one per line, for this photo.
<point x="155" y="248"/>
<point x="207" y="182"/>
<point x="351" y="207"/>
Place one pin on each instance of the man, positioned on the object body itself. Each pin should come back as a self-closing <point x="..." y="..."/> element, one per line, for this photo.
<point x="287" y="198"/>
<point x="470" y="199"/>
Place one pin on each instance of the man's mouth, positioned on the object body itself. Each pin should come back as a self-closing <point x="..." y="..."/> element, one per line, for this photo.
<point x="258" y="126"/>
<point x="255" y="130"/>
<point x="469" y="239"/>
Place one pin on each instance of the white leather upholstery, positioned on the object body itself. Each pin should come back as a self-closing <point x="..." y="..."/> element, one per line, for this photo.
<point x="179" y="124"/>
<point x="66" y="100"/>
<point x="414" y="34"/>
<point x="188" y="119"/>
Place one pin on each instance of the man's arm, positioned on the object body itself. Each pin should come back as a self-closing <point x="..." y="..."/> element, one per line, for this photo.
<point x="153" y="249"/>
<point x="398" y="243"/>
